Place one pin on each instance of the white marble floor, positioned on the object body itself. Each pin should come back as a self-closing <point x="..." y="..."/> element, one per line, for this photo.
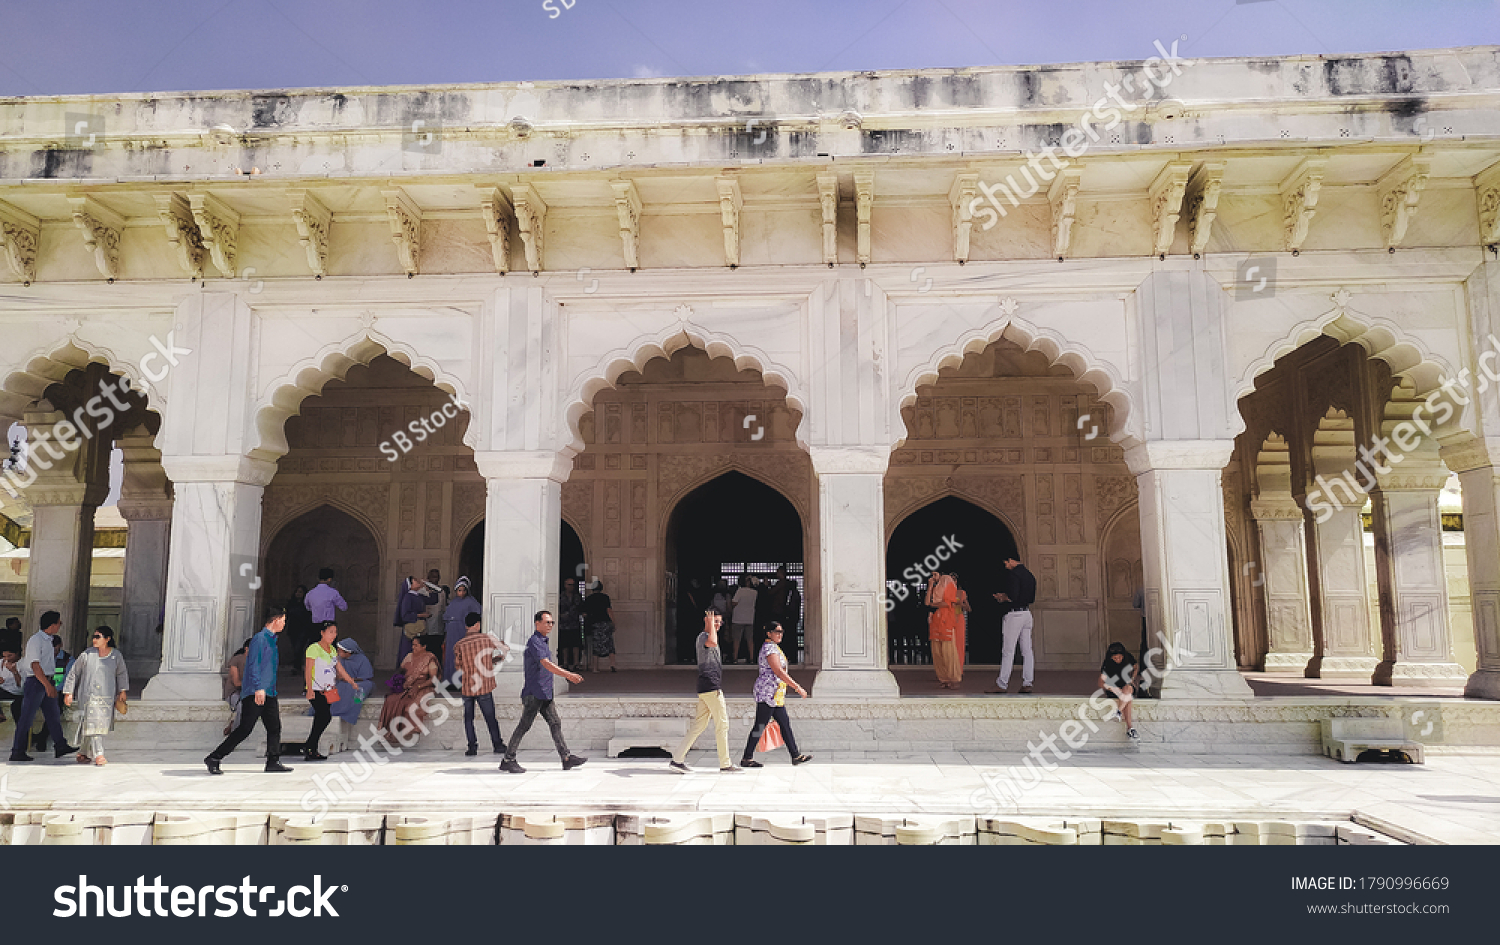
<point x="1451" y="799"/>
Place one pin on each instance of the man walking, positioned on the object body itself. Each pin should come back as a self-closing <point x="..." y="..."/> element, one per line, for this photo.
<point x="710" y="698"/>
<point x="38" y="664"/>
<point x="536" y="697"/>
<point x="260" y="679"/>
<point x="1016" y="626"/>
<point x="474" y="655"/>
<point x="324" y="599"/>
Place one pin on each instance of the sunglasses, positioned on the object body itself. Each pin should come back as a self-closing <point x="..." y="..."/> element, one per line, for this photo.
<point x="98" y="636"/>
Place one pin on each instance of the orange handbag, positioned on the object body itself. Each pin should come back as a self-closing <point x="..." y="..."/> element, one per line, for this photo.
<point x="770" y="739"/>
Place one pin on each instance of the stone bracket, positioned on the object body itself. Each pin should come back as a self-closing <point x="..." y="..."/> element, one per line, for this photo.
<point x="497" y="212"/>
<point x="961" y="198"/>
<point x="864" y="202"/>
<point x="220" y="227"/>
<point x="1487" y="189"/>
<point x="1203" y="204"/>
<point x="101" y="228"/>
<point x="405" y="218"/>
<point x="314" y="226"/>
<point x="1063" y="196"/>
<point x="182" y="232"/>
<point x="828" y="199"/>
<point x="731" y="201"/>
<point x="1399" y="191"/>
<point x="531" y="216"/>
<point x="1166" y="195"/>
<point x="1299" y="201"/>
<point x="628" y="209"/>
<point x="19" y="232"/>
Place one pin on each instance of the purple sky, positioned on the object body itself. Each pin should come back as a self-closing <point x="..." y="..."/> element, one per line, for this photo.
<point x="87" y="46"/>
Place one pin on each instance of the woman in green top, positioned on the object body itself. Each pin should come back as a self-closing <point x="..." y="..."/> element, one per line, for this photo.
<point x="323" y="672"/>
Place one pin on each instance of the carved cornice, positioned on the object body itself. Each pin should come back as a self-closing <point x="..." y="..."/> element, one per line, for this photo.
<point x="531" y="217"/>
<point x="182" y="232"/>
<point x="101" y="228"/>
<point x="628" y="209"/>
<point x="961" y="199"/>
<point x="864" y="203"/>
<point x="1275" y="508"/>
<point x="1299" y="200"/>
<point x="1487" y="190"/>
<point x="497" y="212"/>
<point x="1203" y="204"/>
<point x="730" y="203"/>
<point x="19" y="232"/>
<point x="1399" y="191"/>
<point x="220" y="227"/>
<point x="405" y="219"/>
<point x="1063" y="196"/>
<point x="314" y="226"/>
<point x="1166" y="195"/>
<point x="828" y="200"/>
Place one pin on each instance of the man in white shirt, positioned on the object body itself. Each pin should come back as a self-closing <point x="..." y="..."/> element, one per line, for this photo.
<point x="10" y="682"/>
<point x="37" y="665"/>
<point x="743" y="621"/>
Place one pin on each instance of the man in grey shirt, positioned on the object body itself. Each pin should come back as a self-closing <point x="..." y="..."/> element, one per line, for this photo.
<point x="710" y="698"/>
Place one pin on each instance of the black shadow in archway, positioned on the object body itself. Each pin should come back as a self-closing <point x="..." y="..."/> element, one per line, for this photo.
<point x="326" y="537"/>
<point x="980" y="565"/>
<point x="732" y="519"/>
<point x="471" y="558"/>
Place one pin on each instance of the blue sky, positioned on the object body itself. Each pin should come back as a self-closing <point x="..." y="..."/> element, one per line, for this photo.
<point x="84" y="46"/>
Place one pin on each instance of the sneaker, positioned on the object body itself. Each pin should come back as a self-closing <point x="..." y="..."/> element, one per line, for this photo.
<point x="509" y="765"/>
<point x="573" y="761"/>
<point x="680" y="768"/>
<point x="732" y="769"/>
<point x="1112" y="715"/>
<point x="472" y="751"/>
<point x="1133" y="735"/>
<point x="1025" y="690"/>
<point x="276" y="767"/>
<point x="316" y="756"/>
<point x="211" y="761"/>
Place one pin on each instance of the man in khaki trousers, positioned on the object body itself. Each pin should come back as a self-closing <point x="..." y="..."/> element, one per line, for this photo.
<point x="710" y="698"/>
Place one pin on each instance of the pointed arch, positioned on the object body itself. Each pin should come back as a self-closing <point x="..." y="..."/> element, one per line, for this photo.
<point x="948" y="490"/>
<point x="665" y="343"/>
<point x="1087" y="368"/>
<point x="271" y="528"/>
<point x="670" y="502"/>
<point x="50" y="364"/>
<point x="283" y="396"/>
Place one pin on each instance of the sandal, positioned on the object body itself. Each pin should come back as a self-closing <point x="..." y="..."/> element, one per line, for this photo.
<point x="801" y="759"/>
<point x="751" y="763"/>
<point x="83" y="759"/>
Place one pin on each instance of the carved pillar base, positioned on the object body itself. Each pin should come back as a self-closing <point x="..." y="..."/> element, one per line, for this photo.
<point x="1417" y="642"/>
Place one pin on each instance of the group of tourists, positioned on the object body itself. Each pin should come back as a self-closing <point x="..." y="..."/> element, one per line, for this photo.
<point x="750" y="607"/>
<point x="42" y="677"/>
<point x="586" y="628"/>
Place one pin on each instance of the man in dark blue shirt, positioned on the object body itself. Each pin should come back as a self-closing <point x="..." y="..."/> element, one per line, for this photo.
<point x="260" y="679"/>
<point x="536" y="696"/>
<point x="1015" y="627"/>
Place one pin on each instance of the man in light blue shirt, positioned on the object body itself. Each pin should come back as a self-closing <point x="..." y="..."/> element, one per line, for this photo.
<point x="323" y="599"/>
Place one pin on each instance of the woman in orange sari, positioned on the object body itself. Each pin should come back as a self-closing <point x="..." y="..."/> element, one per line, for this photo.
<point x="422" y="670"/>
<point x="945" y="628"/>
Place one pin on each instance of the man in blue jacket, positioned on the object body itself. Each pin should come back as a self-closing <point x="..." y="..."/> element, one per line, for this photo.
<point x="260" y="679"/>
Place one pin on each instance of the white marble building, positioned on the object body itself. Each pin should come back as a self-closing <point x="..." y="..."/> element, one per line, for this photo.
<point x="287" y="278"/>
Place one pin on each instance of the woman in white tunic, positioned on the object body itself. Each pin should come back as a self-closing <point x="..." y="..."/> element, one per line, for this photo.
<point x="98" y="680"/>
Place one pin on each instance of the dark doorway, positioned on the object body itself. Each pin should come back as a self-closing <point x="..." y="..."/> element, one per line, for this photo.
<point x="328" y="538"/>
<point x="471" y="557"/>
<point x="980" y="565"/>
<point x="729" y="526"/>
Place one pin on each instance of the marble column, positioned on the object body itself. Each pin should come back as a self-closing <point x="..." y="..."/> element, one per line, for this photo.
<point x="1416" y="641"/>
<point x="146" y="503"/>
<point x="1283" y="573"/>
<point x="1184" y="549"/>
<point x="851" y="521"/>
<point x="1480" y="482"/>
<point x="70" y="484"/>
<point x="522" y="548"/>
<point x="1341" y="609"/>
<point x="213" y="572"/>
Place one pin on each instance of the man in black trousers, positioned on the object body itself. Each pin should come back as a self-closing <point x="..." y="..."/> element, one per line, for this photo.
<point x="259" y="679"/>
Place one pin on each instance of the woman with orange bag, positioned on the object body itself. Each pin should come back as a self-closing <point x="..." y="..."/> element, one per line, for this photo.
<point x="770" y="702"/>
<point x="945" y="627"/>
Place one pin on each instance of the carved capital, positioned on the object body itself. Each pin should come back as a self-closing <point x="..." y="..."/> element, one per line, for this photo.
<point x="1275" y="508"/>
<point x="531" y="218"/>
<point x="730" y="203"/>
<point x="495" y="207"/>
<point x="628" y="209"/>
<point x="864" y="202"/>
<point x="1299" y="201"/>
<point x="1166" y="195"/>
<point x="19" y="232"/>
<point x="220" y="228"/>
<point x="961" y="199"/>
<point x="1063" y="196"/>
<point x="314" y="225"/>
<point x="405" y="219"/>
<point x="828" y="200"/>
<point x="182" y="232"/>
<point x="1399" y="191"/>
<point x="1487" y="187"/>
<point x="1203" y="204"/>
<point x="101" y="228"/>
